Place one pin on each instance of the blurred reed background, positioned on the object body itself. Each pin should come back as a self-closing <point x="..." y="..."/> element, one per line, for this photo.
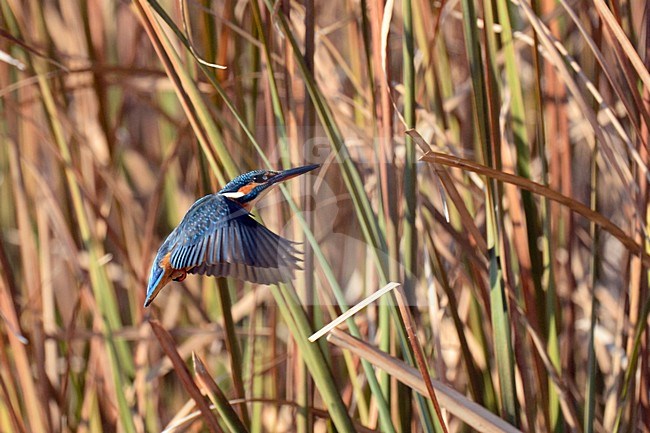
<point x="520" y="239"/>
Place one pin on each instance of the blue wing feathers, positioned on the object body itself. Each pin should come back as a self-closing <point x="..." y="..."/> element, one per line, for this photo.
<point x="219" y="237"/>
<point x="250" y="253"/>
<point x="236" y="250"/>
<point x="216" y="250"/>
<point x="199" y="257"/>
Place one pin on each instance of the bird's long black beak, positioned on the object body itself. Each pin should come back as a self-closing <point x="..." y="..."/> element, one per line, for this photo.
<point x="291" y="173"/>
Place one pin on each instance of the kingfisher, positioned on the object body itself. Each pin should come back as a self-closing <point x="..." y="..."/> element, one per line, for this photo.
<point x="218" y="236"/>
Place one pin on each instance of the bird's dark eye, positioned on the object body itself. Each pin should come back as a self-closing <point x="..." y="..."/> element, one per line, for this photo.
<point x="261" y="178"/>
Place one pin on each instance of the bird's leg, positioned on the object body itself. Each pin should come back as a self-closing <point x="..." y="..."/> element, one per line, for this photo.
<point x="179" y="275"/>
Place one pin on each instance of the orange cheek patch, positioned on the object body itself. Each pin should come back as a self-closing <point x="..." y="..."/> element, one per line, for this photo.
<point x="248" y="188"/>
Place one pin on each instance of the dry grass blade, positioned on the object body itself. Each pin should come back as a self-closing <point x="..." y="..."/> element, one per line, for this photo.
<point x="457" y="404"/>
<point x="191" y="45"/>
<point x="4" y="57"/>
<point x="183" y="418"/>
<point x="27" y="47"/>
<point x="352" y="311"/>
<point x="217" y="396"/>
<point x="467" y="220"/>
<point x="607" y="16"/>
<point x="169" y="347"/>
<point x="575" y="206"/>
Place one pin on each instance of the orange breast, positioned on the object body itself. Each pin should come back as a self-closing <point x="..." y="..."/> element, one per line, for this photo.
<point x="164" y="263"/>
<point x="175" y="274"/>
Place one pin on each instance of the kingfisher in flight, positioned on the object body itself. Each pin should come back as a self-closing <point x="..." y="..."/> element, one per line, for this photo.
<point x="218" y="236"/>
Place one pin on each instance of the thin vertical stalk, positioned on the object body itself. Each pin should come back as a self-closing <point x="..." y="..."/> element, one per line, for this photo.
<point x="306" y="395"/>
<point x="383" y="119"/>
<point x="402" y="302"/>
<point x="521" y="141"/>
<point x="590" y="387"/>
<point x="257" y="379"/>
<point x="410" y="172"/>
<point x="547" y="279"/>
<point x="278" y="114"/>
<point x="529" y="259"/>
<point x="410" y="234"/>
<point x="232" y="346"/>
<point x="485" y="106"/>
<point x="643" y="198"/>
<point x="553" y="118"/>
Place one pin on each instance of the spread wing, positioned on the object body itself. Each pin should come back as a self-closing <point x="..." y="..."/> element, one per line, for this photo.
<point x="218" y="237"/>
